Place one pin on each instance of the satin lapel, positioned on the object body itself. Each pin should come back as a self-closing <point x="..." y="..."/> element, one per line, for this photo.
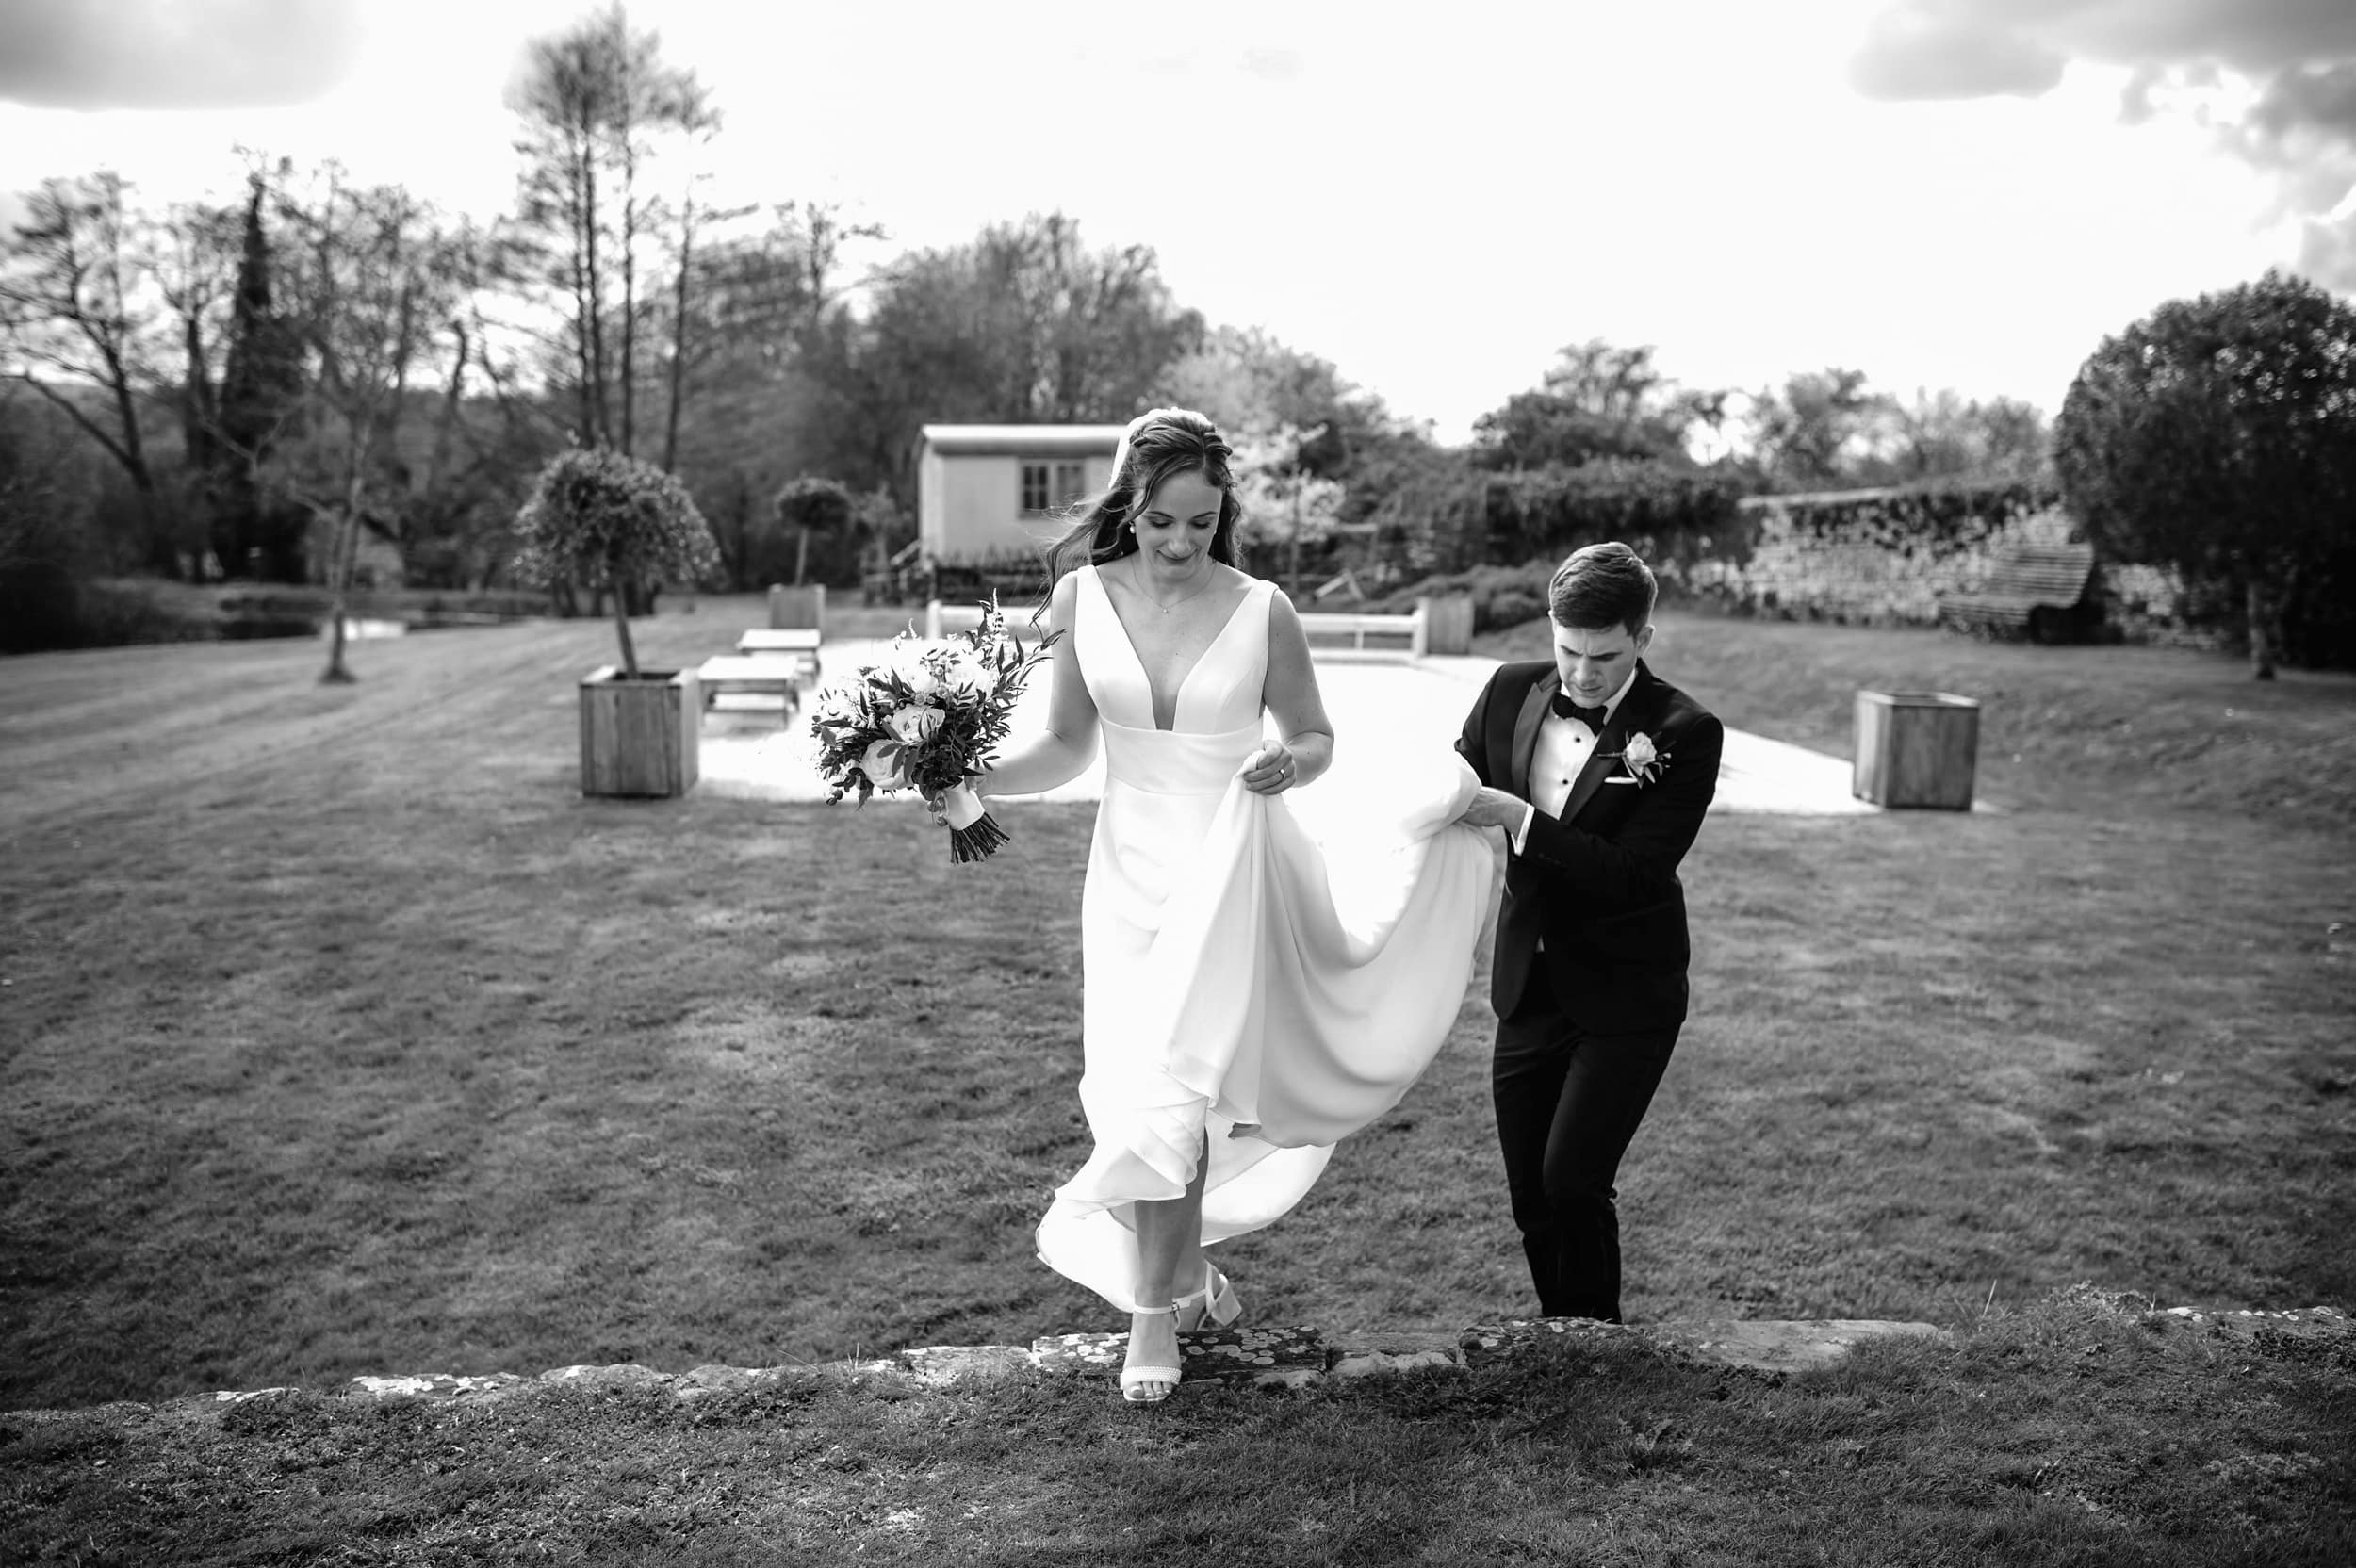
<point x="1633" y="714"/>
<point x="1600" y="761"/>
<point x="1526" y="730"/>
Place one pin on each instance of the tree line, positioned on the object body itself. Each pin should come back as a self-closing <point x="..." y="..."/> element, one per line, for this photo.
<point x="327" y="379"/>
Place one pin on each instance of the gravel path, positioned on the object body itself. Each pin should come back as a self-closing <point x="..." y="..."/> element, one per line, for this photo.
<point x="1381" y="708"/>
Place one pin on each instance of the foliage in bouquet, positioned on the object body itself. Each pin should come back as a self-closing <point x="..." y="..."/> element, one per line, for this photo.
<point x="925" y="716"/>
<point x="603" y="519"/>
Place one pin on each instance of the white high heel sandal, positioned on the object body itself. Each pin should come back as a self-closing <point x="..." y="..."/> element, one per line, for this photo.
<point x="1217" y="1300"/>
<point x="1133" y="1379"/>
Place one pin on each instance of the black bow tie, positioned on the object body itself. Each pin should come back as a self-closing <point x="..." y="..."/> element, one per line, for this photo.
<point x="1566" y="709"/>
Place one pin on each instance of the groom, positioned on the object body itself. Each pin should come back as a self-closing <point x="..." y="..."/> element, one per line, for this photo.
<point x="1599" y="773"/>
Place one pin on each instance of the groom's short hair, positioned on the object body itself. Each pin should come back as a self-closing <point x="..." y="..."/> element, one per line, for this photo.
<point x="1601" y="586"/>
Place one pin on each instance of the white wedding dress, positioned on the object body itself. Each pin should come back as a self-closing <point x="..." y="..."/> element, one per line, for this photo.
<point x="1235" y="975"/>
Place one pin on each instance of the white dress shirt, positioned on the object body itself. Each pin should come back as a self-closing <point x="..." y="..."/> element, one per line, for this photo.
<point x="1562" y="749"/>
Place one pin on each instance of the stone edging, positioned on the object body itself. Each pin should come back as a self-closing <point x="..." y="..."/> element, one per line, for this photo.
<point x="1295" y="1357"/>
<point x="1290" y="1357"/>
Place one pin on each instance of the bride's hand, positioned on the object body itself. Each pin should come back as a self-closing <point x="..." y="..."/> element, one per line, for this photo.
<point x="1492" y="808"/>
<point x="1269" y="771"/>
<point x="940" y="805"/>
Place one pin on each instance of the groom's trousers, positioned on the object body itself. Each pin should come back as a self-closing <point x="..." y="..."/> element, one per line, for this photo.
<point x="1568" y="1102"/>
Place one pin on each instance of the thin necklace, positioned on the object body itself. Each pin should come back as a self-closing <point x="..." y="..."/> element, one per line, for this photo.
<point x="1173" y="604"/>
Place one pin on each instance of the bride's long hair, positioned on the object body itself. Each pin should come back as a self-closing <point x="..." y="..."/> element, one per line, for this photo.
<point x="1159" y="442"/>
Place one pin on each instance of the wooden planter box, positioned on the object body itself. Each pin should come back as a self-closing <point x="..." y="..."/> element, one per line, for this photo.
<point x="639" y="737"/>
<point x="1916" y="749"/>
<point x="1448" y="623"/>
<point x="791" y="607"/>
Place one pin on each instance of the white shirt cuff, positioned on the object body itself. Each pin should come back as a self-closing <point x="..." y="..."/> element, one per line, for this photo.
<point x="1521" y="834"/>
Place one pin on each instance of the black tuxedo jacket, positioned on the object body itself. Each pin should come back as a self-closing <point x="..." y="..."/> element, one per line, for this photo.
<point x="1600" y="884"/>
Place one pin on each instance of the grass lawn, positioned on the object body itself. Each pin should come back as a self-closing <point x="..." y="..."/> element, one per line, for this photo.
<point x="340" y="1035"/>
<point x="2066" y="1435"/>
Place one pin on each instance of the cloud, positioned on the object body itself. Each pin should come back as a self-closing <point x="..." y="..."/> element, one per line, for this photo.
<point x="2273" y="80"/>
<point x="174" y="54"/>
<point x="1914" y="52"/>
<point x="1903" y="42"/>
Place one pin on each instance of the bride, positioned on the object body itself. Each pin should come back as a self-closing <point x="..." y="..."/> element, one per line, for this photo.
<point x="1245" y="1004"/>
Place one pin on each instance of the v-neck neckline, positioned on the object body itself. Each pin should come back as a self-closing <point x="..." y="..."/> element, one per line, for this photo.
<point x="1178" y="693"/>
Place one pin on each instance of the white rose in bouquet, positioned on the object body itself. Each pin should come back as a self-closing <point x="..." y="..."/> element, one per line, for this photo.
<point x="912" y="724"/>
<point x="909" y="665"/>
<point x="968" y="678"/>
<point x="881" y="763"/>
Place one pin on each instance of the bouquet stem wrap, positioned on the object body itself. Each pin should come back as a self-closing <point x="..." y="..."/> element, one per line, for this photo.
<point x="973" y="833"/>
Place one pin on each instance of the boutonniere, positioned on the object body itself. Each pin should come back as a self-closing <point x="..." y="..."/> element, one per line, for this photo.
<point x="1643" y="760"/>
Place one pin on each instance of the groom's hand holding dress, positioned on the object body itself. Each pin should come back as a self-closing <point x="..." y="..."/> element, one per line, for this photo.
<point x="1599" y="804"/>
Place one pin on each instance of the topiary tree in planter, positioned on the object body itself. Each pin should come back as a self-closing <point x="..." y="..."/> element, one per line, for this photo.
<point x="602" y="519"/>
<point x="606" y="520"/>
<point x="822" y="506"/>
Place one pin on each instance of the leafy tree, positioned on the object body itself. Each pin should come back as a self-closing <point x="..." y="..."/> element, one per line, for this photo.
<point x="1286" y="502"/>
<point x="1291" y="419"/>
<point x="1597" y="400"/>
<point x="2218" y="435"/>
<point x="1424" y="502"/>
<point x="1814" y="432"/>
<point x="234" y="432"/>
<point x="1024" y="325"/>
<point x="607" y="519"/>
<point x="819" y="506"/>
<point x="1672" y="514"/>
<point x="39" y="547"/>
<point x="1943" y="433"/>
<point x="1250" y="382"/>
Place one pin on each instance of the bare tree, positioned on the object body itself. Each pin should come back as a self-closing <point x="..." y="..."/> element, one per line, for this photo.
<point x="193" y="255"/>
<point x="596" y="102"/>
<point x="74" y="311"/>
<point x="815" y="233"/>
<point x="376" y="284"/>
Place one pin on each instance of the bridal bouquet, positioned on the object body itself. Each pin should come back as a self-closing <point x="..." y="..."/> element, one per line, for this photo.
<point x="925" y="717"/>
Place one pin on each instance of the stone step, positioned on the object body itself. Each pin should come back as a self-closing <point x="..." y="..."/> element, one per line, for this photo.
<point x="1294" y="1356"/>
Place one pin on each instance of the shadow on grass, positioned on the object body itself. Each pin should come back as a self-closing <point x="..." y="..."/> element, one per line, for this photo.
<point x="2079" y="1432"/>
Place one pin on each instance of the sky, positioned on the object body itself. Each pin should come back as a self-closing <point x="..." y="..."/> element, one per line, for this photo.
<point x="1436" y="195"/>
